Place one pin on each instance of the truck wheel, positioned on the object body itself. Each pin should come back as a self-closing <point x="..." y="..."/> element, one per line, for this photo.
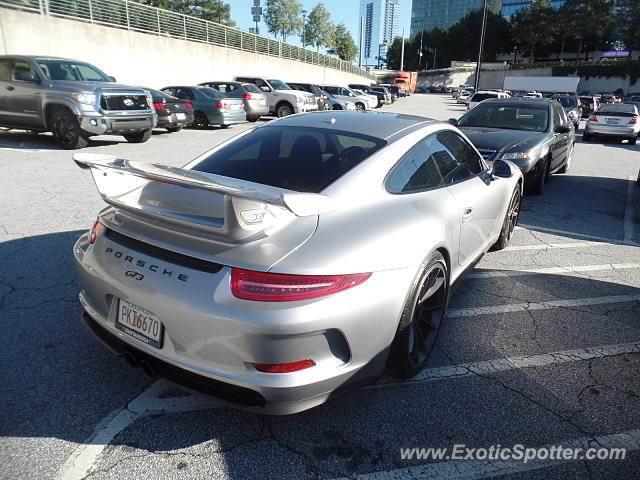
<point x="138" y="137"/>
<point x="284" y="109"/>
<point x="66" y="130"/>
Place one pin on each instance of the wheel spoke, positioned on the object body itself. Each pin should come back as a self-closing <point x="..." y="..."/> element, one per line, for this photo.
<point x="436" y="284"/>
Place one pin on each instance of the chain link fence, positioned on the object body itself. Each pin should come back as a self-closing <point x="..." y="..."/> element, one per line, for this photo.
<point x="134" y="16"/>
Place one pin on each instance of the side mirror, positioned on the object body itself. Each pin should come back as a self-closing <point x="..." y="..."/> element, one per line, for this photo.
<point x="25" y="76"/>
<point x="563" y="129"/>
<point x="453" y="121"/>
<point x="113" y="79"/>
<point x="501" y="169"/>
<point x="265" y="89"/>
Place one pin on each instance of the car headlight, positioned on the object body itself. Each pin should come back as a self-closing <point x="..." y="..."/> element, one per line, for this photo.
<point x="521" y="155"/>
<point x="84" y="97"/>
<point x="300" y="100"/>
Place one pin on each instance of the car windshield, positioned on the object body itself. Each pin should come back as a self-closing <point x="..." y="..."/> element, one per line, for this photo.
<point x="279" y="85"/>
<point x="617" y="108"/>
<point x="567" y="102"/>
<point x="250" y="87"/>
<point x="72" y="71"/>
<point x="158" y="94"/>
<point x="500" y="115"/>
<point x="327" y="94"/>
<point x="210" y="92"/>
<point x="296" y="158"/>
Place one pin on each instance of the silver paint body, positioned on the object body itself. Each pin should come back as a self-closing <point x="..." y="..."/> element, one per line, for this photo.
<point x="363" y="228"/>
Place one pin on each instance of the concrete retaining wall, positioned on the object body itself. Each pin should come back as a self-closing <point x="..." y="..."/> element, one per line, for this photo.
<point x="149" y="60"/>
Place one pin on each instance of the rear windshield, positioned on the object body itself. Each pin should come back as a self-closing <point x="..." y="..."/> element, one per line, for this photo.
<point x="513" y="117"/>
<point x="211" y="92"/>
<point x="295" y="158"/>
<point x="567" y="102"/>
<point x="478" y="97"/>
<point x="72" y="71"/>
<point x="250" y="87"/>
<point x="624" y="109"/>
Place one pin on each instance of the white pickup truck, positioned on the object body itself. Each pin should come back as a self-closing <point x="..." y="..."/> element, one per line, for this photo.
<point x="283" y="100"/>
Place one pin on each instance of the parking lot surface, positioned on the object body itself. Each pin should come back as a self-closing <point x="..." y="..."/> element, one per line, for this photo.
<point x="541" y="345"/>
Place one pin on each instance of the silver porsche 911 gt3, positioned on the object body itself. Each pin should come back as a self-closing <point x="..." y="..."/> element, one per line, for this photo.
<point x="297" y="260"/>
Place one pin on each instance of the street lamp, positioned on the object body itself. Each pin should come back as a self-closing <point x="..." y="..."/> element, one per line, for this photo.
<point x="476" y="82"/>
<point x="304" y="27"/>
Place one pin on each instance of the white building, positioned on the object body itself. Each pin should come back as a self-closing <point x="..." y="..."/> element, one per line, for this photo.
<point x="381" y="25"/>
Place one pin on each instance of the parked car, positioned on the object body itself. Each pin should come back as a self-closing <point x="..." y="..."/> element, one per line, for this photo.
<point x="362" y="102"/>
<point x="589" y="104"/>
<point x="263" y="282"/>
<point x="173" y="114"/>
<point x="314" y="90"/>
<point x="614" y="121"/>
<point x="335" y="102"/>
<point x="382" y="99"/>
<point x="572" y="106"/>
<point x="482" y="95"/>
<point x="534" y="133"/>
<point x="74" y="100"/>
<point x="464" y="96"/>
<point x="395" y="90"/>
<point x="282" y="99"/>
<point x="608" y="98"/>
<point x="210" y="107"/>
<point x="387" y="94"/>
<point x="255" y="102"/>
<point x="370" y="100"/>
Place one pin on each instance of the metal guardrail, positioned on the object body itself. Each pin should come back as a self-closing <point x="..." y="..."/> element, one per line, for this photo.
<point x="130" y="15"/>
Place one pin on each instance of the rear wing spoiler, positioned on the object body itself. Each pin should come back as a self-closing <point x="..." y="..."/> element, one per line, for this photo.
<point x="300" y="204"/>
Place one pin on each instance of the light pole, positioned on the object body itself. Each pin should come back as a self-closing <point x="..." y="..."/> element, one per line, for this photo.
<point x="304" y="27"/>
<point x="476" y="82"/>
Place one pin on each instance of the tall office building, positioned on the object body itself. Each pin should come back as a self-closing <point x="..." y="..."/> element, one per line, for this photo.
<point x="510" y="7"/>
<point x="430" y="14"/>
<point x="381" y="25"/>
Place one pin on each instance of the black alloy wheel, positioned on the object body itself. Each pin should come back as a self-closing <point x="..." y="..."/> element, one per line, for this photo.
<point x="66" y="130"/>
<point x="200" y="121"/>
<point x="510" y="220"/>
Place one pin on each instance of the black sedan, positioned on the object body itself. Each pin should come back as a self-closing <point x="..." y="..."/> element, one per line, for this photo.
<point x="534" y="133"/>
<point x="173" y="113"/>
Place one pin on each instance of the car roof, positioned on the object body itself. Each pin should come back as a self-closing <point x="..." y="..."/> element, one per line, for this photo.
<point x="373" y="124"/>
<point x="521" y="100"/>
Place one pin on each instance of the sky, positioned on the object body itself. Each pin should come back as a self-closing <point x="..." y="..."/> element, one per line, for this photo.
<point x="345" y="11"/>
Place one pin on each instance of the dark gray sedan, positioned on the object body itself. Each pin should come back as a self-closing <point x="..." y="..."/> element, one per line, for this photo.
<point x="534" y="133"/>
<point x="255" y="102"/>
<point x="210" y="107"/>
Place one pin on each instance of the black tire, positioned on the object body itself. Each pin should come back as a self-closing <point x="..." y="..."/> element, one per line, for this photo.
<point x="224" y="126"/>
<point x="138" y="137"/>
<point x="538" y="181"/>
<point x="586" y="137"/>
<point x="567" y="164"/>
<point x="200" y="121"/>
<point x="252" y="119"/>
<point x="173" y="129"/>
<point x="510" y="221"/>
<point x="632" y="141"/>
<point x="284" y="109"/>
<point x="360" y="106"/>
<point x="421" y="318"/>
<point x="66" y="130"/>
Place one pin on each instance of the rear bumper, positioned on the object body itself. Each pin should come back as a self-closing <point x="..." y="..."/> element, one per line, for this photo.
<point x="253" y="110"/>
<point x="612" y="130"/>
<point x="172" y="120"/>
<point x="118" y="124"/>
<point x="227" y="118"/>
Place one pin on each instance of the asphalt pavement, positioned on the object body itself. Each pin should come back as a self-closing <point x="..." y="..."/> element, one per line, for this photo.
<point x="541" y="345"/>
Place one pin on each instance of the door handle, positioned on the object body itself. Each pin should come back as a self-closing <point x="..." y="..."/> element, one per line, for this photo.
<point x="10" y="88"/>
<point x="467" y="213"/>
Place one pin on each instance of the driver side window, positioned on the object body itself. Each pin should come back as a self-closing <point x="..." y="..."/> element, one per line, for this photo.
<point x="416" y="172"/>
<point x="455" y="158"/>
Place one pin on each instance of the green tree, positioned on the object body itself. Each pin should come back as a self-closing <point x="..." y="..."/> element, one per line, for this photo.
<point x="345" y="48"/>
<point x="629" y="22"/>
<point x="319" y="31"/>
<point x="283" y="17"/>
<point x="591" y="24"/>
<point x="534" y="28"/>
<point x="213" y="10"/>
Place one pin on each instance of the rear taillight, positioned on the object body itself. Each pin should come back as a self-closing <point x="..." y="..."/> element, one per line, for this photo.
<point x="633" y="121"/>
<point x="277" y="287"/>
<point x="593" y="118"/>
<point x="284" y="367"/>
<point x="159" y="106"/>
<point x="95" y="232"/>
<point x="188" y="105"/>
<point x="249" y="96"/>
<point x="222" y="106"/>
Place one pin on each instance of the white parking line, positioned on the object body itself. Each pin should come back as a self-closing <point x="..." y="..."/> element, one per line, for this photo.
<point x="523" y="307"/>
<point x="475" y="470"/>
<point x="628" y="211"/>
<point x="79" y="464"/>
<point x="495" y="273"/>
<point x="579" y="235"/>
<point x="546" y="246"/>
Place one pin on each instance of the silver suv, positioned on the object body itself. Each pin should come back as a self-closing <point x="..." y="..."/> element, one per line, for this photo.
<point x="72" y="99"/>
<point x="282" y="99"/>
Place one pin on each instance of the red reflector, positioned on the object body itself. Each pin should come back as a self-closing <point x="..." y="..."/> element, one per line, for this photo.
<point x="277" y="287"/>
<point x="188" y="105"/>
<point x="633" y="121"/>
<point x="593" y="118"/>
<point x="159" y="106"/>
<point x="222" y="106"/>
<point x="95" y="232"/>
<point x="284" y="367"/>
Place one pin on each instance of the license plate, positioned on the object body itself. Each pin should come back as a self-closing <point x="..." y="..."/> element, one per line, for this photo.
<point x="181" y="116"/>
<point x="139" y="323"/>
<point x="611" y="120"/>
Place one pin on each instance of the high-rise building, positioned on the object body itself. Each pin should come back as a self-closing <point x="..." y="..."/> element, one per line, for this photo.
<point x="381" y="24"/>
<point x="429" y="14"/>
<point x="510" y="7"/>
